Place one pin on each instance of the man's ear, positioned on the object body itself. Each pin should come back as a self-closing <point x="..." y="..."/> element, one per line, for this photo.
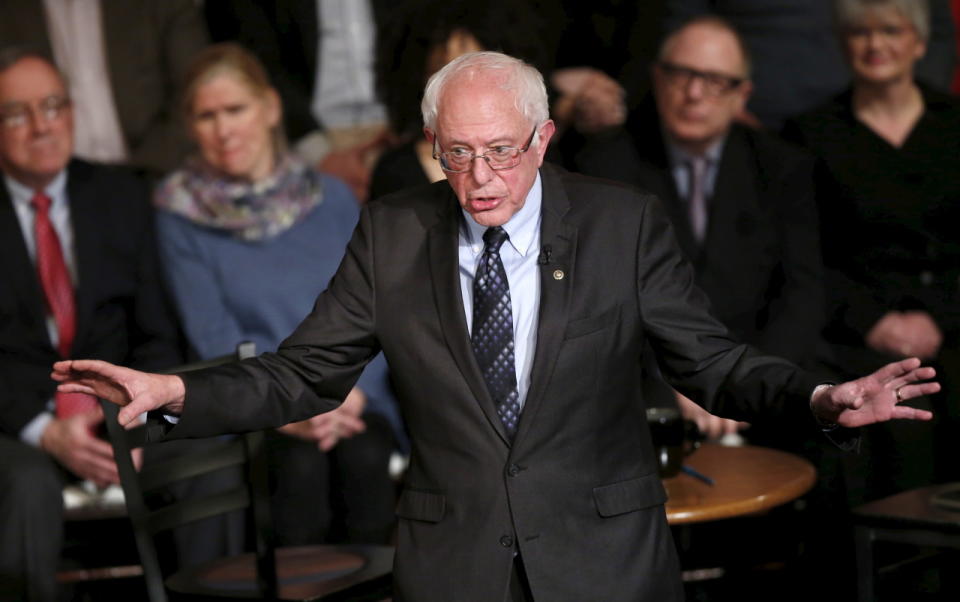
<point x="547" y="130"/>
<point x="429" y="135"/>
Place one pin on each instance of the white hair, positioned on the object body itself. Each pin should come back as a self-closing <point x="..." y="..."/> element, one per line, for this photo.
<point x="523" y="79"/>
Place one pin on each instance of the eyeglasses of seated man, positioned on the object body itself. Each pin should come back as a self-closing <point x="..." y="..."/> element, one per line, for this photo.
<point x="460" y="160"/>
<point x="714" y="84"/>
<point x="17" y="114"/>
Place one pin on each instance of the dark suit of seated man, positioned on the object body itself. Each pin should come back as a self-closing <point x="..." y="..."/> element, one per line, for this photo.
<point x="740" y="200"/>
<point x="80" y="277"/>
<point x="512" y="303"/>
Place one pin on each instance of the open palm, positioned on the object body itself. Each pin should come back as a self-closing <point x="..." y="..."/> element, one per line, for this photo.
<point x="877" y="397"/>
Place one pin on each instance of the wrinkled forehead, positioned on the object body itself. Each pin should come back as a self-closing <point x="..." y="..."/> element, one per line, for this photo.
<point x="478" y="103"/>
<point x="705" y="46"/>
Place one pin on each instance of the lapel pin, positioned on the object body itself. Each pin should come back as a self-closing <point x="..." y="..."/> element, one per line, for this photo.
<point x="558" y="274"/>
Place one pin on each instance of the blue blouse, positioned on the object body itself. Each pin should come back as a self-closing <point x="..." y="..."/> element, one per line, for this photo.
<point x="229" y="290"/>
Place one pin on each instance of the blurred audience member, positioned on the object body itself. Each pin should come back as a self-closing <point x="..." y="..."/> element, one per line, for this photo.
<point x="124" y="61"/>
<point x="250" y="235"/>
<point x="424" y="35"/>
<point x="740" y="200"/>
<point x="798" y="63"/>
<point x="320" y="53"/>
<point x="617" y="37"/>
<point x="421" y="37"/>
<point x="81" y="279"/>
<point x="888" y="186"/>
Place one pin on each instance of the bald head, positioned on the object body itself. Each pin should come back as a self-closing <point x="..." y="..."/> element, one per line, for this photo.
<point x="716" y="28"/>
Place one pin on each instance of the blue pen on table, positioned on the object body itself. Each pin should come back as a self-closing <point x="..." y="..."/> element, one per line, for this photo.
<point x="696" y="474"/>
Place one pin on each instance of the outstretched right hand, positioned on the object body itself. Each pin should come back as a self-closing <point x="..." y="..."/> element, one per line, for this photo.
<point x="137" y="392"/>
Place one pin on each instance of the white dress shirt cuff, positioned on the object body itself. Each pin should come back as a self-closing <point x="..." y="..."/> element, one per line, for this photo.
<point x="31" y="433"/>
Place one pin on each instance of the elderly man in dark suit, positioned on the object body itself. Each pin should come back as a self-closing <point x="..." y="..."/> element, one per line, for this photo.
<point x="512" y="303"/>
<point x="80" y="277"/>
<point x="740" y="200"/>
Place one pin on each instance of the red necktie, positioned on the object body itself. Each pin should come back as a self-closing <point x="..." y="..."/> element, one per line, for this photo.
<point x="58" y="289"/>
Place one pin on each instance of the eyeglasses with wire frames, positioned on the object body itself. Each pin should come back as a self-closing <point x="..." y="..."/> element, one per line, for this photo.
<point x="15" y="115"/>
<point x="714" y="84"/>
<point x="498" y="157"/>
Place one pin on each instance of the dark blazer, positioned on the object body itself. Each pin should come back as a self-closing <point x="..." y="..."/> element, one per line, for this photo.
<point x="903" y="203"/>
<point x="148" y="46"/>
<point x="577" y="492"/>
<point x="122" y="310"/>
<point x="759" y="262"/>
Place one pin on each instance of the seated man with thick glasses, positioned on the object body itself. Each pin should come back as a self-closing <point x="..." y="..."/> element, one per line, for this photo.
<point x="741" y="201"/>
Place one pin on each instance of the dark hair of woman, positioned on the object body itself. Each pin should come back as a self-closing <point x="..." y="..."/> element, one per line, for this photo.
<point x="418" y="30"/>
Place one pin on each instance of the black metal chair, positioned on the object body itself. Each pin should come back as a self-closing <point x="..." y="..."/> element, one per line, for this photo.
<point x="328" y="573"/>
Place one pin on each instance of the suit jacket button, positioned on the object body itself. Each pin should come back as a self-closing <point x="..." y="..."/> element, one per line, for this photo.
<point x="514" y="470"/>
<point x="506" y="541"/>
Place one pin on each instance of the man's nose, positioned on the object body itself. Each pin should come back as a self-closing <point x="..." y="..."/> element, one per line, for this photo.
<point x="39" y="121"/>
<point x="694" y="87"/>
<point x="481" y="171"/>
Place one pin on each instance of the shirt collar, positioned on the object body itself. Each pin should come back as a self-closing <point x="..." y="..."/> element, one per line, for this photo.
<point x="678" y="156"/>
<point x="523" y="228"/>
<point x="23" y="195"/>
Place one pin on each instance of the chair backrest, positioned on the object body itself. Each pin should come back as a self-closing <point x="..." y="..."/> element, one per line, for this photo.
<point x="245" y="452"/>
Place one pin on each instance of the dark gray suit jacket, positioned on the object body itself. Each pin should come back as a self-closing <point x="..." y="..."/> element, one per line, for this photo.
<point x="577" y="493"/>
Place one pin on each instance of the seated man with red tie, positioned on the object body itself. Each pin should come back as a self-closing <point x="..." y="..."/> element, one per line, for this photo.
<point x="79" y="276"/>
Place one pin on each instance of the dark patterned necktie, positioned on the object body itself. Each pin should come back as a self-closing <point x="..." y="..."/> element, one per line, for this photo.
<point x="492" y="335"/>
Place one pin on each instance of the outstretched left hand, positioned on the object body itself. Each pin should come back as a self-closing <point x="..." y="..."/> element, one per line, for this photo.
<point x="876" y="397"/>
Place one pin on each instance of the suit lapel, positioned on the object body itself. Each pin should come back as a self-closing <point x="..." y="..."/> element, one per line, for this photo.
<point x="732" y="191"/>
<point x="17" y="271"/>
<point x="556" y="283"/>
<point x="656" y="175"/>
<point x="83" y="216"/>
<point x="442" y="248"/>
<point x="662" y="184"/>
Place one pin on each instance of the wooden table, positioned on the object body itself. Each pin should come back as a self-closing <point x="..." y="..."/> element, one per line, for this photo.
<point x="747" y="479"/>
